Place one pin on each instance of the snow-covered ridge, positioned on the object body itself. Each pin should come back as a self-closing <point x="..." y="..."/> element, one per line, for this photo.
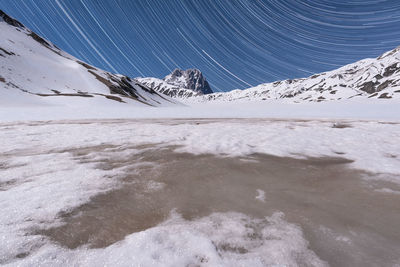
<point x="180" y="84"/>
<point x="372" y="78"/>
<point x="367" y="78"/>
<point x="34" y="70"/>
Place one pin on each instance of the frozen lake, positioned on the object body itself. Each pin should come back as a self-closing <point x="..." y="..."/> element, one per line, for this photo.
<point x="211" y="192"/>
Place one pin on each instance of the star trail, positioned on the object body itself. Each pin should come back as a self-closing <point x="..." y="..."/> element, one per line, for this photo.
<point x="236" y="44"/>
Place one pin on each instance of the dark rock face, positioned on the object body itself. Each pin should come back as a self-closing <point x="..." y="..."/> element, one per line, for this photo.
<point x="39" y="39"/>
<point x="369" y="87"/>
<point x="6" y="52"/>
<point x="384" y="95"/>
<point x="390" y="70"/>
<point x="191" y="79"/>
<point x="10" y="20"/>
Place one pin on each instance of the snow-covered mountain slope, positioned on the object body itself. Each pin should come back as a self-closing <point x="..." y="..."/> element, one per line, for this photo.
<point x="33" y="70"/>
<point x="180" y="84"/>
<point x="368" y="78"/>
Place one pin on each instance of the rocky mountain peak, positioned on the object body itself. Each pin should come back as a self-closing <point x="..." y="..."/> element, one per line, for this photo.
<point x="177" y="73"/>
<point x="191" y="79"/>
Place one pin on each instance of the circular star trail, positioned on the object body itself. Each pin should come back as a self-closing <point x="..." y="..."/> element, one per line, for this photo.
<point x="236" y="44"/>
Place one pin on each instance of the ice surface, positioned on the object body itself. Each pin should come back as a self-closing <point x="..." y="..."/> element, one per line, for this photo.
<point x="50" y="168"/>
<point x="38" y="181"/>
<point x="372" y="145"/>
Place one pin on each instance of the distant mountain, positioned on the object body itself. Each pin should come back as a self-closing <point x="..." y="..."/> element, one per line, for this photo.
<point x="367" y="78"/>
<point x="191" y="79"/>
<point x="180" y="84"/>
<point x="168" y="89"/>
<point x="32" y="68"/>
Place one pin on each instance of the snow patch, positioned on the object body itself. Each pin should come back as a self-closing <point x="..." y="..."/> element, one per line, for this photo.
<point x="221" y="239"/>
<point x="388" y="191"/>
<point x="260" y="195"/>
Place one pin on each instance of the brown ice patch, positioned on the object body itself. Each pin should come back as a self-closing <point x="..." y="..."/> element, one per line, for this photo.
<point x="316" y="193"/>
<point x="341" y="125"/>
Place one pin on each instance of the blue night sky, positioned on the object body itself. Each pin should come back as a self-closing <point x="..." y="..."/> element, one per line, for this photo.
<point x="236" y="44"/>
